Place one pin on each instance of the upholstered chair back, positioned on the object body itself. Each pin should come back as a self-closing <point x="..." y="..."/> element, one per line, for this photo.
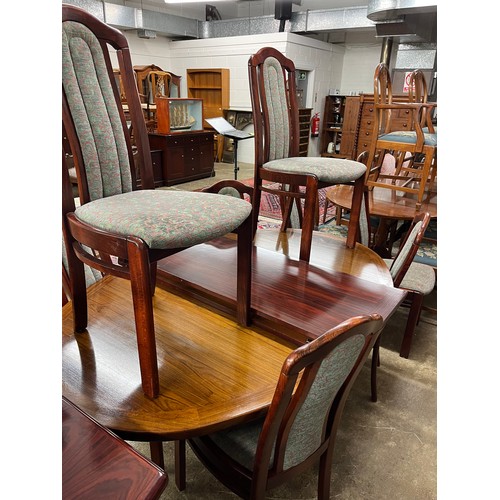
<point x="409" y="247"/>
<point x="277" y="109"/>
<point x="94" y="108"/>
<point x="308" y="428"/>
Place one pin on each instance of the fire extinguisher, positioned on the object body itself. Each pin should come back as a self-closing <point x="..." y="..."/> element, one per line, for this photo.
<point x="315" y="125"/>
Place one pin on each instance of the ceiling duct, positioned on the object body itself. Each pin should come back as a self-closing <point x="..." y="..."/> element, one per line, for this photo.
<point x="149" y="34"/>
<point x="410" y="28"/>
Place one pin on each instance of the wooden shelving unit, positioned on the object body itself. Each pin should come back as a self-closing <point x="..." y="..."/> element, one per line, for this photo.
<point x="211" y="85"/>
<point x="305" y="128"/>
<point x="331" y="125"/>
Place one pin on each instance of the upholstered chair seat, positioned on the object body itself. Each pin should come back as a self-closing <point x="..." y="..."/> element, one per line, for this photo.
<point x="418" y="277"/>
<point x="166" y="219"/>
<point x="409" y="136"/>
<point x="328" y="170"/>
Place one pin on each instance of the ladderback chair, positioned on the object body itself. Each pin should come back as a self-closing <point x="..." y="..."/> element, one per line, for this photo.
<point x="300" y="426"/>
<point x="410" y="176"/>
<point x="417" y="279"/>
<point x="277" y="161"/>
<point x="128" y="230"/>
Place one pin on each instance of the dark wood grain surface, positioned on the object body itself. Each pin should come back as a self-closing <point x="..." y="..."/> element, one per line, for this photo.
<point x="295" y="300"/>
<point x="98" y="464"/>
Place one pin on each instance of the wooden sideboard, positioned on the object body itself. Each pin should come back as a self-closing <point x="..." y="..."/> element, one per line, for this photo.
<point x="184" y="157"/>
<point x="357" y="129"/>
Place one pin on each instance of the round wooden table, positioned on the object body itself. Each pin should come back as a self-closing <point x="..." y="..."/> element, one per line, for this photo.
<point x="389" y="205"/>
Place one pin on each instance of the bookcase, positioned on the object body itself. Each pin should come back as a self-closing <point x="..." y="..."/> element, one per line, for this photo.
<point x="212" y="86"/>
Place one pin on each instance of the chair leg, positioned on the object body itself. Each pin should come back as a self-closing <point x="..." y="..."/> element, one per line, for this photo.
<point x="375" y="364"/>
<point x="156" y="451"/>
<point x="140" y="280"/>
<point x="244" y="273"/>
<point x="357" y="196"/>
<point x="325" y="474"/>
<point x="78" y="291"/>
<point x="415" y="308"/>
<point x="180" y="464"/>
<point x="309" y="218"/>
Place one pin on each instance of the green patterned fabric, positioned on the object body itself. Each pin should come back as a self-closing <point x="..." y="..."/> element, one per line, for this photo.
<point x="331" y="170"/>
<point x="167" y="219"/>
<point x="241" y="443"/>
<point x="95" y="113"/>
<point x="277" y="108"/>
<point x="401" y="257"/>
<point x="419" y="277"/>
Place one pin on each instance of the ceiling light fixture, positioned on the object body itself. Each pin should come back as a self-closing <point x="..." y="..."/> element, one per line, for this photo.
<point x="192" y="1"/>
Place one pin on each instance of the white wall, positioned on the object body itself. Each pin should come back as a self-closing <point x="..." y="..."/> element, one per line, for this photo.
<point x="349" y="68"/>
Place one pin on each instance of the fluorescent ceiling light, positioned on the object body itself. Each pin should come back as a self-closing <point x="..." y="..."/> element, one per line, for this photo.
<point x="192" y="1"/>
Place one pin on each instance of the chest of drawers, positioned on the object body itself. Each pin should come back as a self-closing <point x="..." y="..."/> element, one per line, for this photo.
<point x="184" y="157"/>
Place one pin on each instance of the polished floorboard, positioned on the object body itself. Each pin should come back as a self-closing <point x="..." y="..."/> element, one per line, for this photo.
<point x="384" y="450"/>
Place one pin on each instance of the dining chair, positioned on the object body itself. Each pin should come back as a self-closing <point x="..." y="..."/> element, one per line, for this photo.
<point x="277" y="162"/>
<point x="410" y="176"/>
<point x="128" y="229"/>
<point x="416" y="278"/>
<point x="299" y="429"/>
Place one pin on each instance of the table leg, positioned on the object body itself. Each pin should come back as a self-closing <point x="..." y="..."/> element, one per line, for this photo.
<point x="235" y="143"/>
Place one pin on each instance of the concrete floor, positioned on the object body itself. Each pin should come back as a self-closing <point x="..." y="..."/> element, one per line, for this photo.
<point x="384" y="450"/>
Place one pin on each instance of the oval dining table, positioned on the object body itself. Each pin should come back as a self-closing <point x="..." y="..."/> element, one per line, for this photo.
<point x="215" y="373"/>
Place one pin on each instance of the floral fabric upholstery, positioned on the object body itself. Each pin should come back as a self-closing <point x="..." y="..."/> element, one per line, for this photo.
<point x="95" y="113"/>
<point x="419" y="277"/>
<point x="401" y="257"/>
<point x="277" y="108"/>
<point x="166" y="219"/>
<point x="409" y="136"/>
<point x="241" y="442"/>
<point x="331" y="170"/>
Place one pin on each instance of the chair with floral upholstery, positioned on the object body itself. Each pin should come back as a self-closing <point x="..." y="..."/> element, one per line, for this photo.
<point x="276" y="131"/>
<point x="300" y="427"/>
<point x="410" y="175"/>
<point x="416" y="278"/>
<point x="128" y="230"/>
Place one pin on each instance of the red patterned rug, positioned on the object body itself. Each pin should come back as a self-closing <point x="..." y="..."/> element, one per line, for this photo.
<point x="270" y="205"/>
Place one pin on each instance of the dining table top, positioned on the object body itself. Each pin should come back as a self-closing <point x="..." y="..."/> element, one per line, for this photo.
<point x="96" y="462"/>
<point x="214" y="373"/>
<point x="387" y="203"/>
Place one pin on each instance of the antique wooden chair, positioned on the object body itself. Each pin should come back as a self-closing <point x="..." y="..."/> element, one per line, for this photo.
<point x="410" y="176"/>
<point x="300" y="427"/>
<point x="276" y="128"/>
<point x="418" y="279"/>
<point x="128" y="230"/>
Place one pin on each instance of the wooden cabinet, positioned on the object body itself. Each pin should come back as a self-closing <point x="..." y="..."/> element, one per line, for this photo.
<point x="331" y="128"/>
<point x="357" y="133"/>
<point x="211" y="85"/>
<point x="184" y="157"/>
<point x="304" y="130"/>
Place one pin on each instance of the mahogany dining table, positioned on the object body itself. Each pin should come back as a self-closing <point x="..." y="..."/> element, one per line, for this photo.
<point x="389" y="206"/>
<point x="98" y="464"/>
<point x="213" y="372"/>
